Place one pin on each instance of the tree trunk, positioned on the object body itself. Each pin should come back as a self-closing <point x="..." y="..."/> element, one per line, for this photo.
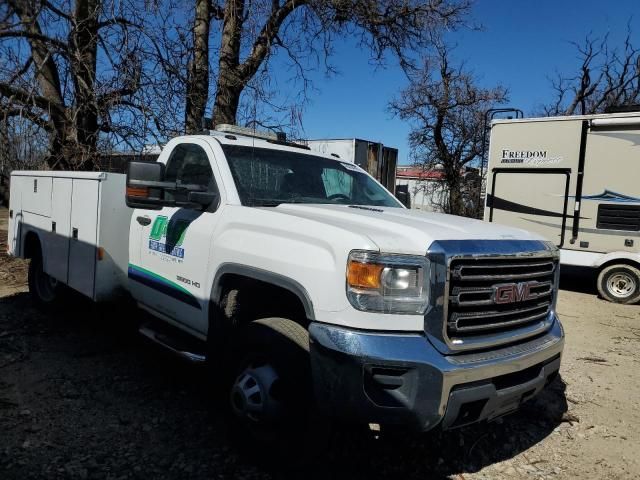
<point x="84" y="41"/>
<point x="453" y="181"/>
<point x="230" y="84"/>
<point x="455" y="202"/>
<point x="198" y="81"/>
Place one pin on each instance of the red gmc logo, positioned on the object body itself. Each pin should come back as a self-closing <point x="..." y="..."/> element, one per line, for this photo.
<point x="513" y="292"/>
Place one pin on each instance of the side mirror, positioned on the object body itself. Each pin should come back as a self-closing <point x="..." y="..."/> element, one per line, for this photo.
<point x="145" y="185"/>
<point x="204" y="199"/>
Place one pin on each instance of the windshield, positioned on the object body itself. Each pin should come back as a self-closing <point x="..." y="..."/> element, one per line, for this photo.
<point x="267" y="177"/>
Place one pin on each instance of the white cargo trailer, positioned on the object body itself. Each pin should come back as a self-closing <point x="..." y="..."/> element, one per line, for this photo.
<point x="576" y="181"/>
<point x="77" y="220"/>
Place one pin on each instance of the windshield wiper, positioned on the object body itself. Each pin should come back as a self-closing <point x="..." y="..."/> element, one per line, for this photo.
<point x="264" y="203"/>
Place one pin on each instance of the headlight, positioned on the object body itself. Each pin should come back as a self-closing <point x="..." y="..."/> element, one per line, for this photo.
<point x="388" y="283"/>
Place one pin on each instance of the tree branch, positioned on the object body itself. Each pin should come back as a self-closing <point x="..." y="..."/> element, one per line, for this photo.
<point x="62" y="46"/>
<point x="216" y="12"/>
<point x="29" y="115"/>
<point x="118" y="21"/>
<point x="56" y="10"/>
<point x="262" y="44"/>
<point x="27" y="99"/>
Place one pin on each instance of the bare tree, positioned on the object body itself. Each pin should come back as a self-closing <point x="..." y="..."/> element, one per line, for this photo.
<point x="73" y="68"/>
<point x="302" y="31"/>
<point x="198" y="70"/>
<point x="607" y="77"/>
<point x="446" y="106"/>
<point x="22" y="145"/>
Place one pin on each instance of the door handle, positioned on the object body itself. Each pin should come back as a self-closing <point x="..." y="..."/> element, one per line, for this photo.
<point x="144" y="221"/>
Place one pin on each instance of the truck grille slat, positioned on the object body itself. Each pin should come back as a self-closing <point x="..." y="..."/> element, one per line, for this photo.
<point x="488" y="296"/>
<point x="462" y="322"/>
<point x="502" y="270"/>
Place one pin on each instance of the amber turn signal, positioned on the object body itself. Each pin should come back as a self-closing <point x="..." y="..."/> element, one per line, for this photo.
<point x="363" y="275"/>
<point x="137" y="192"/>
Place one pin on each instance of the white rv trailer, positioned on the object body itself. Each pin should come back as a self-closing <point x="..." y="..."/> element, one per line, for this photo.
<point x="576" y="181"/>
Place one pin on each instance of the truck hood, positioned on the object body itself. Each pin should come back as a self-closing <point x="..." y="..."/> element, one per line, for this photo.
<point x="400" y="230"/>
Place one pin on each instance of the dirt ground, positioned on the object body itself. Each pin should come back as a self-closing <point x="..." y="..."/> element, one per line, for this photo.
<point x="83" y="396"/>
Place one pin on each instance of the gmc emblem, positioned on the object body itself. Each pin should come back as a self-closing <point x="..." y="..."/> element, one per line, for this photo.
<point x="513" y="292"/>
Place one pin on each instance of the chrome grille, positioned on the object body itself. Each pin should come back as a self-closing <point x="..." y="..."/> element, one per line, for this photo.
<point x="488" y="296"/>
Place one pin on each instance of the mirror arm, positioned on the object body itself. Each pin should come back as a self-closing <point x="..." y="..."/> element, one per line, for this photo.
<point x="188" y="187"/>
<point x="151" y="184"/>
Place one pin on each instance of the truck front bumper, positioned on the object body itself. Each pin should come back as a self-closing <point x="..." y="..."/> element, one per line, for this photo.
<point x="401" y="379"/>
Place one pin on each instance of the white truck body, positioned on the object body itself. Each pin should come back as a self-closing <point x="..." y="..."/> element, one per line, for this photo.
<point x="74" y="213"/>
<point x="176" y="263"/>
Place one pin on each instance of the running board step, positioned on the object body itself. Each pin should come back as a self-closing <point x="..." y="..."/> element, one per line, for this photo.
<point x="172" y="343"/>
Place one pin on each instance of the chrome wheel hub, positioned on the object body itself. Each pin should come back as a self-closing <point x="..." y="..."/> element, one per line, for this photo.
<point x="621" y="285"/>
<point x="252" y="394"/>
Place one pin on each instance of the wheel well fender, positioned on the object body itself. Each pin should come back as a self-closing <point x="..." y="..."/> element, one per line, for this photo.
<point x="32" y="246"/>
<point x="231" y="270"/>
<point x="618" y="261"/>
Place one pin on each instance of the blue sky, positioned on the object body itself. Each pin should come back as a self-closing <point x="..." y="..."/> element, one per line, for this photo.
<point x="521" y="45"/>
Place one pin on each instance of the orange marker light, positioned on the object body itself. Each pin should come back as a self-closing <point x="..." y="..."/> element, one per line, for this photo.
<point x="100" y="253"/>
<point x="138" y="192"/>
<point x="364" y="275"/>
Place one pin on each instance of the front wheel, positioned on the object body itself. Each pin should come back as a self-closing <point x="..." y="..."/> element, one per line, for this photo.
<point x="45" y="289"/>
<point x="270" y="398"/>
<point x="620" y="284"/>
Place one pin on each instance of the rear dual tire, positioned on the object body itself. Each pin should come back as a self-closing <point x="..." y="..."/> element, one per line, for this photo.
<point x="45" y="290"/>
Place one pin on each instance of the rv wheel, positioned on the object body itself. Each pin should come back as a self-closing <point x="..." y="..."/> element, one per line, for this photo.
<point x="620" y="283"/>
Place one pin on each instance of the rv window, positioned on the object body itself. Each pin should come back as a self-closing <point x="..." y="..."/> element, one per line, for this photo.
<point x="619" y="217"/>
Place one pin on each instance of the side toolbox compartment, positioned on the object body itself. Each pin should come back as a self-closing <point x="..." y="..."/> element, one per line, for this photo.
<point x="84" y="233"/>
<point x="113" y="238"/>
<point x="57" y="245"/>
<point x="36" y="194"/>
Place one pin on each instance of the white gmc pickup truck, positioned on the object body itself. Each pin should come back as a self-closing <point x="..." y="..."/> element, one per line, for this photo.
<point x="304" y="282"/>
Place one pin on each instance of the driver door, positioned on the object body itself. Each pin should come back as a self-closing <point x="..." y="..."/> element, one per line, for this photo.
<point x="175" y="243"/>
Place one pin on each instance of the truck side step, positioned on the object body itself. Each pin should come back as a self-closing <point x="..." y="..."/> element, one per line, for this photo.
<point x="178" y="346"/>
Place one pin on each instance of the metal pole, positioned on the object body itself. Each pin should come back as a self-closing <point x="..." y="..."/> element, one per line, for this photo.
<point x="492" y="112"/>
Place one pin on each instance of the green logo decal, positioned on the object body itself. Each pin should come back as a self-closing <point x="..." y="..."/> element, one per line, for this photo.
<point x="167" y="237"/>
<point x="159" y="228"/>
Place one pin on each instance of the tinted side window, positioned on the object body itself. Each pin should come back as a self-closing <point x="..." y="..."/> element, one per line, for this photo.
<point x="189" y="165"/>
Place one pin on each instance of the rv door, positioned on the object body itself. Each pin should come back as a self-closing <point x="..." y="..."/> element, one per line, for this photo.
<point x="530" y="198"/>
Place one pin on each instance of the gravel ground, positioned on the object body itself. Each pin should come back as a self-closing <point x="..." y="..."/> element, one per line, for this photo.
<point x="83" y="396"/>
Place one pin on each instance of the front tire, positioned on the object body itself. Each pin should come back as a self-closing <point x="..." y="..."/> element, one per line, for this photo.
<point x="620" y="283"/>
<point x="270" y="398"/>
<point x="45" y="290"/>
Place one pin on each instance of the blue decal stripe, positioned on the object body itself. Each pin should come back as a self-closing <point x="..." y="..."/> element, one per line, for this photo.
<point x="156" y="282"/>
<point x="611" y="196"/>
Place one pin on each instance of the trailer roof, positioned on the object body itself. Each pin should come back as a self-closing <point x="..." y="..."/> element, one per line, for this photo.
<point x="567" y="118"/>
